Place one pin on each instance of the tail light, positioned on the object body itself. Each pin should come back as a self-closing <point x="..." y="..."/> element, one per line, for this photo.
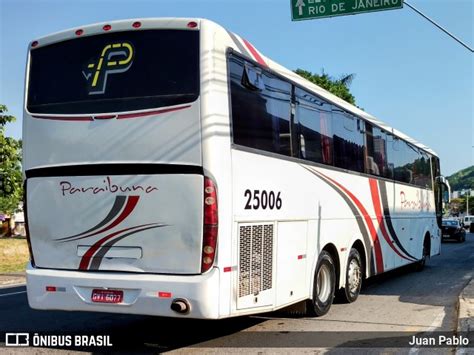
<point x="209" y="242"/>
<point x="27" y="231"/>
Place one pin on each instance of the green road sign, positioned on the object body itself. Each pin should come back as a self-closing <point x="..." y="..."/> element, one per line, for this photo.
<point x="308" y="9"/>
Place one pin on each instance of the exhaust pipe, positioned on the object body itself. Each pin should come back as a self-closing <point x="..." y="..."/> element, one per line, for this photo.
<point x="181" y="306"/>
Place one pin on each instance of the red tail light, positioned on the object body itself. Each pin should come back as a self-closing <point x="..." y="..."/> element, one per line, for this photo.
<point x="209" y="242"/>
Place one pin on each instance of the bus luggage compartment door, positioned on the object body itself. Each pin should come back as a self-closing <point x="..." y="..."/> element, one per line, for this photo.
<point x="135" y="223"/>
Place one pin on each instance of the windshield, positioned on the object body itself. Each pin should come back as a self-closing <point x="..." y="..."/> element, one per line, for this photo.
<point x="115" y="72"/>
<point x="450" y="223"/>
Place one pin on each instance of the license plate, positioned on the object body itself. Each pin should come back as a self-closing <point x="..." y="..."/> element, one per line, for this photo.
<point x="107" y="296"/>
<point x="446" y="235"/>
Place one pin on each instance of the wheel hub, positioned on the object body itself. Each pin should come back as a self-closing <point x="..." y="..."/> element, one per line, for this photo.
<point x="323" y="280"/>
<point x="354" y="276"/>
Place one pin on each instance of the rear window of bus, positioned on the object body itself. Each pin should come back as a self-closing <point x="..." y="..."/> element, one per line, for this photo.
<point x="115" y="72"/>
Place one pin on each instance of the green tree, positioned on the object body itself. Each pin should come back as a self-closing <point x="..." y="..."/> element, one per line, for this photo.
<point x="459" y="204"/>
<point x="11" y="187"/>
<point x="338" y="87"/>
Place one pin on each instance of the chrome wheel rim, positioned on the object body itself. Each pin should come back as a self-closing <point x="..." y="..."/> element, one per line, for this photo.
<point x="354" y="276"/>
<point x="323" y="282"/>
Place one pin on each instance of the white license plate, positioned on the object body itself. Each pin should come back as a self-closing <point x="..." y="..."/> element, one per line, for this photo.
<point x="107" y="296"/>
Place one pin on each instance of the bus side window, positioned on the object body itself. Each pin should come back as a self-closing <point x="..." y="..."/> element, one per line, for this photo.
<point x="376" y="160"/>
<point x="348" y="141"/>
<point x="261" y="108"/>
<point x="315" y="121"/>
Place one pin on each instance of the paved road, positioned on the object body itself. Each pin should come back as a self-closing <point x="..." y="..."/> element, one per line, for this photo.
<point x="403" y="300"/>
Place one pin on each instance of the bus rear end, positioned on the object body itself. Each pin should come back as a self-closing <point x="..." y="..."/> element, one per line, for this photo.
<point x="115" y="187"/>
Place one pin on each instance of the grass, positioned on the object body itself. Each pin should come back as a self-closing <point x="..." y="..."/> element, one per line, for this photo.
<point x="13" y="254"/>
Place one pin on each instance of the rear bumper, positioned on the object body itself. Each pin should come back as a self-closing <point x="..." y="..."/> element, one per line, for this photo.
<point x="141" y="292"/>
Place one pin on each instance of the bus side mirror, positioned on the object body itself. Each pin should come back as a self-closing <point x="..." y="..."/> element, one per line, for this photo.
<point x="442" y="181"/>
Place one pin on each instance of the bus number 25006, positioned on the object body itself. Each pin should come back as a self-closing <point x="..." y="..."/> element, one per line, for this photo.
<point x="262" y="199"/>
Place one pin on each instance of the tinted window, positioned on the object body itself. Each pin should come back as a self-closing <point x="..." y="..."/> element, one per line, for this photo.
<point x="376" y="162"/>
<point x="315" y="121"/>
<point x="113" y="72"/>
<point x="410" y="164"/>
<point x="348" y="141"/>
<point x="422" y="170"/>
<point x="261" y="106"/>
<point x="400" y="160"/>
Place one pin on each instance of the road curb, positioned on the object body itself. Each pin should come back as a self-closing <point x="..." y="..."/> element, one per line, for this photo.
<point x="466" y="315"/>
<point x="13" y="278"/>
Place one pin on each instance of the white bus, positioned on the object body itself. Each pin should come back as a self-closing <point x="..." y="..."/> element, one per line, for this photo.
<point x="172" y="169"/>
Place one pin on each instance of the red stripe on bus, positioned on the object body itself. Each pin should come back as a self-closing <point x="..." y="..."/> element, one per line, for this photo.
<point x="254" y="52"/>
<point x="129" y="207"/>
<point x="105" y="117"/>
<point x="374" y="191"/>
<point x="119" y="117"/>
<point x="150" y="113"/>
<point x="87" y="257"/>
<point x="64" y="118"/>
<point x="368" y="221"/>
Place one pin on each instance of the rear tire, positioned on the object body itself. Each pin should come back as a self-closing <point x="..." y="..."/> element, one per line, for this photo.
<point x="354" y="276"/>
<point x="323" y="286"/>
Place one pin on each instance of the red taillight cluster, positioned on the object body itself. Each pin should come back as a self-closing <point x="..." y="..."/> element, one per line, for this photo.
<point x="209" y="242"/>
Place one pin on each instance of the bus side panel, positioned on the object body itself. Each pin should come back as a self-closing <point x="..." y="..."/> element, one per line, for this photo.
<point x="291" y="262"/>
<point x="308" y="216"/>
<point x="414" y="211"/>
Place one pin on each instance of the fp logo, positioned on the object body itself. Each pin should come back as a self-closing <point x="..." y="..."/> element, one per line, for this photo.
<point x="115" y="58"/>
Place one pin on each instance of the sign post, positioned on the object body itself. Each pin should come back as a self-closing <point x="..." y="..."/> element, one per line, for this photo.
<point x="310" y="9"/>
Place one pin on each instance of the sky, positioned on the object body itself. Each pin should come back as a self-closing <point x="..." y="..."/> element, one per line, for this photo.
<point x="408" y="73"/>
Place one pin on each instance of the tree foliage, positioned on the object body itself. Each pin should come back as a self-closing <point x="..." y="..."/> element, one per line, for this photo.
<point x="458" y="205"/>
<point x="338" y="87"/>
<point x="11" y="189"/>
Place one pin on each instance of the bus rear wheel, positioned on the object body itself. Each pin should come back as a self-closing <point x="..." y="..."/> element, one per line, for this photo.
<point x="354" y="274"/>
<point x="323" y="286"/>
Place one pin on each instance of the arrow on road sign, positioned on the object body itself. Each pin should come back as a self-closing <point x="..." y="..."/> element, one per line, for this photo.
<point x="300" y="4"/>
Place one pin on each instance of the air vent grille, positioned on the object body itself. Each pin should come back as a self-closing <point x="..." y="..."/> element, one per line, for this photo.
<point x="255" y="258"/>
